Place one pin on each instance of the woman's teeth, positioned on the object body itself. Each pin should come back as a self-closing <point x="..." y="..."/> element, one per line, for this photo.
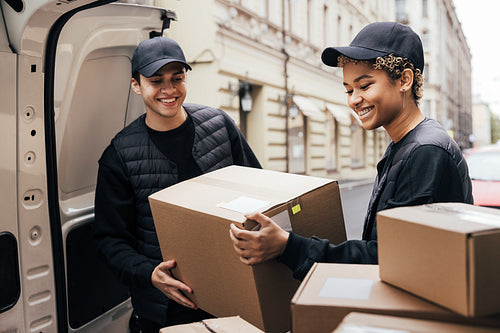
<point x="365" y="111"/>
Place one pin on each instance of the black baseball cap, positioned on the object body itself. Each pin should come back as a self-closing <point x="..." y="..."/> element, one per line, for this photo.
<point x="377" y="40"/>
<point x="152" y="54"/>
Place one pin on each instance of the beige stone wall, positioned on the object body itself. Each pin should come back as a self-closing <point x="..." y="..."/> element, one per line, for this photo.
<point x="447" y="89"/>
<point x="228" y="42"/>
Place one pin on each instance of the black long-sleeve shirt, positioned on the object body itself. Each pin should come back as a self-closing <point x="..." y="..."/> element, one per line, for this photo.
<point x="425" y="166"/>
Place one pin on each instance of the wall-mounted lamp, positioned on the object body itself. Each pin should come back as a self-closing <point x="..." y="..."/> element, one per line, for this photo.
<point x="243" y="91"/>
<point x="291" y="107"/>
<point x="245" y="97"/>
<point x="293" y="110"/>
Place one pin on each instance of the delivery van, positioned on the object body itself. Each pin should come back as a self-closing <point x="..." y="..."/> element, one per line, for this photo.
<point x="64" y="93"/>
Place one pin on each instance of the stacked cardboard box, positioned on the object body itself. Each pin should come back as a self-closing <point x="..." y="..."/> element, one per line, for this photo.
<point x="448" y="253"/>
<point x="370" y="323"/>
<point x="192" y="221"/>
<point x="331" y="291"/>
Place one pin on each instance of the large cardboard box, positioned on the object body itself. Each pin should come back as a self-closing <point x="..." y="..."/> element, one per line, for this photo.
<point x="356" y="322"/>
<point x="448" y="253"/>
<point x="233" y="324"/>
<point x="192" y="221"/>
<point x="330" y="291"/>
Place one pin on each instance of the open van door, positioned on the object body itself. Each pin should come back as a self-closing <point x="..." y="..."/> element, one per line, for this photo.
<point x="65" y="91"/>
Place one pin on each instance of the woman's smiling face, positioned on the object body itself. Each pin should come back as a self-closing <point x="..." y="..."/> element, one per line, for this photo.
<point x="376" y="98"/>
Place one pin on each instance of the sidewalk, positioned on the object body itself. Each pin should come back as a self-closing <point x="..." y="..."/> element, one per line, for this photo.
<point x="350" y="183"/>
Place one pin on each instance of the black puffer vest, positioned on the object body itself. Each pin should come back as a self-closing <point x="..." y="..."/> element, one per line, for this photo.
<point x="150" y="171"/>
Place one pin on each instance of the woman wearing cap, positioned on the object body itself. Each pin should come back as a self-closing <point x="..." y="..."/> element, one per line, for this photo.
<point x="382" y="70"/>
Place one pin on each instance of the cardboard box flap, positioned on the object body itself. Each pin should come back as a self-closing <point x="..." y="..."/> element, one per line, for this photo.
<point x="288" y="183"/>
<point x="456" y="217"/>
<point x="201" y="198"/>
<point x="231" y="192"/>
<point x="233" y="324"/>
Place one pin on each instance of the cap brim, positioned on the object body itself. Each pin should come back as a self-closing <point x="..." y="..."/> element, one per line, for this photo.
<point x="331" y="54"/>
<point x="150" y="69"/>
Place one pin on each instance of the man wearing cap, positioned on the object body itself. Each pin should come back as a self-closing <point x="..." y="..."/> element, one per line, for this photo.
<point x="171" y="142"/>
<point x="382" y="70"/>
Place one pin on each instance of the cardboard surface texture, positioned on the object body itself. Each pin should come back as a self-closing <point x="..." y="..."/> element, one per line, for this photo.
<point x="192" y="221"/>
<point x="330" y="291"/>
<point x="371" y="323"/>
<point x="448" y="253"/>
<point x="233" y="324"/>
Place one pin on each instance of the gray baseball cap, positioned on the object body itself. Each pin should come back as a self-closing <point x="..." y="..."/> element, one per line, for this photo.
<point x="152" y="54"/>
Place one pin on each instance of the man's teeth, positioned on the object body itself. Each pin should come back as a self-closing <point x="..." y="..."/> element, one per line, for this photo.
<point x="167" y="100"/>
<point x="365" y="111"/>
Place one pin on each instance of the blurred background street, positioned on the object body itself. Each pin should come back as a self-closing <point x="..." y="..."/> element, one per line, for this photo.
<point x="355" y="196"/>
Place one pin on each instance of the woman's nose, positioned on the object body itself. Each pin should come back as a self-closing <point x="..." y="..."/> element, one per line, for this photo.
<point x="355" y="99"/>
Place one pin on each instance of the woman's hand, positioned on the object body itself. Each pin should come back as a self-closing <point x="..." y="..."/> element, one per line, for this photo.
<point x="258" y="246"/>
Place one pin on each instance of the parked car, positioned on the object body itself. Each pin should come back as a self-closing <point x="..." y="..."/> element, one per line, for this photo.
<point x="484" y="171"/>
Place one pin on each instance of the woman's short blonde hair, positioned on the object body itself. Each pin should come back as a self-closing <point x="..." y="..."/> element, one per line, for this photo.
<point x="394" y="67"/>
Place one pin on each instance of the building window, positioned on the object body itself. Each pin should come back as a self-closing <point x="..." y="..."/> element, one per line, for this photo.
<point x="326" y="26"/>
<point x="427" y="108"/>
<point x="289" y="6"/>
<point x="309" y="20"/>
<point x="381" y="141"/>
<point x="425" y="39"/>
<point x="339" y="30"/>
<point x="296" y="144"/>
<point x="331" y="143"/>
<point x="425" y="8"/>
<point x="357" y="145"/>
<point x="401" y="11"/>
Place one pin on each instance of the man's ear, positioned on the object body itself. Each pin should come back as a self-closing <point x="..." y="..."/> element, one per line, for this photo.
<point x="406" y="79"/>
<point x="136" y="87"/>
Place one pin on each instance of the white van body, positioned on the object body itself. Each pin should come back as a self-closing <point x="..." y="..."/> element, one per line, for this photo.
<point x="64" y="92"/>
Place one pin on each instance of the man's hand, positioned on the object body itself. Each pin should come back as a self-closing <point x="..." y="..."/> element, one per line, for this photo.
<point x="174" y="289"/>
<point x="258" y="246"/>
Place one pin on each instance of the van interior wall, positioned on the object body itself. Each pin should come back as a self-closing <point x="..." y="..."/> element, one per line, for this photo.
<point x="93" y="101"/>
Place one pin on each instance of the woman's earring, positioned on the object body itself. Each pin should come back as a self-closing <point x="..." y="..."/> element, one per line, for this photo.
<point x="404" y="97"/>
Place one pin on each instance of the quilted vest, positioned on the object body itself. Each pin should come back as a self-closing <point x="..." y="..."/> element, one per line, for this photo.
<point x="149" y="171"/>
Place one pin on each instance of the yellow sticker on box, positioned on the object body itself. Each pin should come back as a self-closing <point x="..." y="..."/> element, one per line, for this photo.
<point x="296" y="209"/>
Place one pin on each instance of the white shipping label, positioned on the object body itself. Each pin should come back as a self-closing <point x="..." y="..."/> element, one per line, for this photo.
<point x="343" y="288"/>
<point x="245" y="205"/>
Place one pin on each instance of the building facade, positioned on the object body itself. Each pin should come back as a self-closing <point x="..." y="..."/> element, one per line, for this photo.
<point x="260" y="61"/>
<point x="447" y="73"/>
<point x="481" y="123"/>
